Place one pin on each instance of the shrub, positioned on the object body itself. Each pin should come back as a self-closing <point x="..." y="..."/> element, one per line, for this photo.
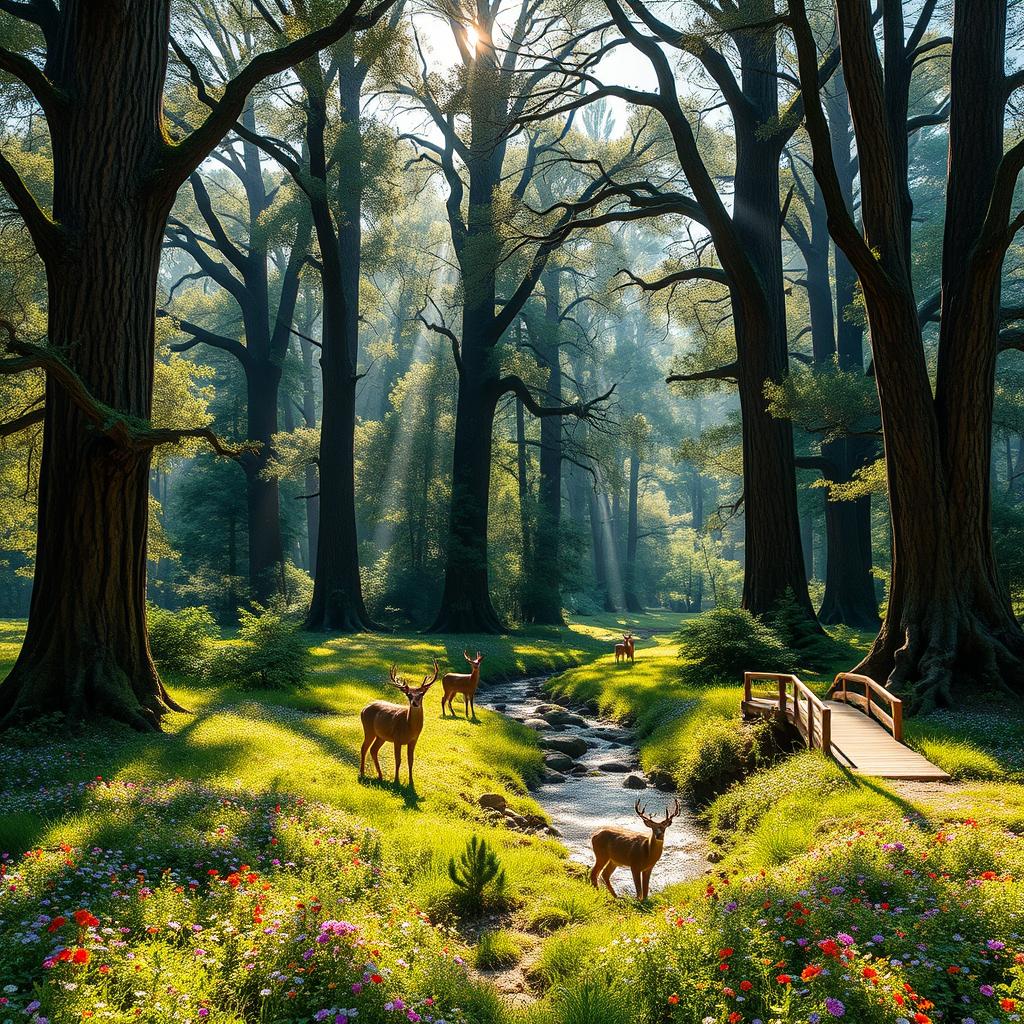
<point x="812" y="648"/>
<point x="181" y="641"/>
<point x="588" y="1001"/>
<point x="270" y="653"/>
<point x="724" y="751"/>
<point x="497" y="950"/>
<point x="476" y="869"/>
<point x="720" y="645"/>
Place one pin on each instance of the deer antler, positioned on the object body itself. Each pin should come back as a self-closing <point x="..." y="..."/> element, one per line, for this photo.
<point x="465" y="654"/>
<point x="395" y="679"/>
<point x="641" y="812"/>
<point x="437" y="671"/>
<point x="671" y="816"/>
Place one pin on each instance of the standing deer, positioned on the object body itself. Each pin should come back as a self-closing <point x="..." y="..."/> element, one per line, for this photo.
<point x="625" y="648"/>
<point x="400" y="724"/>
<point x="464" y="683"/>
<point x="619" y="847"/>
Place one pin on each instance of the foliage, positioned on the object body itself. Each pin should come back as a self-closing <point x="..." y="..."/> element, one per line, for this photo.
<point x="181" y="640"/>
<point x="812" y="647"/>
<point x="476" y="869"/>
<point x="270" y="653"/>
<point x="720" y="645"/>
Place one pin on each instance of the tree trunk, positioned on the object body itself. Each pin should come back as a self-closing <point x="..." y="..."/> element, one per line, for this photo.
<point x="337" y="602"/>
<point x="312" y="473"/>
<point x="632" y="596"/>
<point x="524" y="502"/>
<point x="263" y="499"/>
<point x="774" y="561"/>
<point x="466" y="601"/>
<point x="86" y="650"/>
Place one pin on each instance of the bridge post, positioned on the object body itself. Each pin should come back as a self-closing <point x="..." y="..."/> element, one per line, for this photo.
<point x="782" y="695"/>
<point x="897" y="720"/>
<point x="826" y="729"/>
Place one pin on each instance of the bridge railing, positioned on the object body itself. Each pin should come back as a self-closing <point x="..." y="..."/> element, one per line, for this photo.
<point x="869" y="698"/>
<point x="798" y="703"/>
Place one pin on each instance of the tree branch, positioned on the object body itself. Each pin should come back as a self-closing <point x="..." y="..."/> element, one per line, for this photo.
<point x="728" y="372"/>
<point x="515" y="385"/>
<point x="45" y="234"/>
<point x="201" y="336"/>
<point x="22" y="422"/>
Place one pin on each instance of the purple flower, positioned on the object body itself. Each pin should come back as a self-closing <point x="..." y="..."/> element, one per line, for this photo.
<point x="835" y="1007"/>
<point x="878" y="938"/>
<point x="987" y="990"/>
<point x="357" y="987"/>
<point x="995" y="945"/>
<point x="846" y="940"/>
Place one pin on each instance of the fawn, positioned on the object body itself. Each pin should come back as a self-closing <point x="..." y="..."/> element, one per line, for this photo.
<point x="625" y="648"/>
<point x="619" y="847"/>
<point x="400" y="724"/>
<point x="464" y="683"/>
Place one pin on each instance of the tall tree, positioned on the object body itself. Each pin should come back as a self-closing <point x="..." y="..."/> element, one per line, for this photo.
<point x="949" y="624"/>
<point x="101" y="82"/>
<point x="496" y="77"/>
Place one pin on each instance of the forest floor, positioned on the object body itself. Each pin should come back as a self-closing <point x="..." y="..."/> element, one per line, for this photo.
<point x="234" y="869"/>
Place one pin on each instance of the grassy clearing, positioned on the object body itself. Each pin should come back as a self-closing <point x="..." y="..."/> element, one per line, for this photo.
<point x="238" y="872"/>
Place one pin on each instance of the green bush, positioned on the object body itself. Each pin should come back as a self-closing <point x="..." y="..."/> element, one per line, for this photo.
<point x="724" y="751"/>
<point x="813" y="649"/>
<point x="475" y="870"/>
<point x="720" y="645"/>
<point x="271" y="653"/>
<point x="960" y="758"/>
<point x="181" y="641"/>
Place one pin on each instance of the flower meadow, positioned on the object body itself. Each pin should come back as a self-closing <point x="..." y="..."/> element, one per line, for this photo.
<point x="260" y="910"/>
<point x="896" y="924"/>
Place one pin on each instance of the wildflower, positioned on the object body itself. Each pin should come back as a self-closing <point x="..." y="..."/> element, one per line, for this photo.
<point x="673" y="999"/>
<point x="810" y="971"/>
<point x="987" y="990"/>
<point x="834" y="1007"/>
<point x="1007" y="1004"/>
<point x="783" y="979"/>
<point x="80" y="957"/>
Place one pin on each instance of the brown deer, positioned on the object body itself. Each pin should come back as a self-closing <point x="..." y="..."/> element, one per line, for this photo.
<point x="619" y="847"/>
<point x="625" y="648"/>
<point x="400" y="724"/>
<point x="464" y="683"/>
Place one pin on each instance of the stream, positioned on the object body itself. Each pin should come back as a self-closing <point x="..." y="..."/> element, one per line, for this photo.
<point x="598" y="786"/>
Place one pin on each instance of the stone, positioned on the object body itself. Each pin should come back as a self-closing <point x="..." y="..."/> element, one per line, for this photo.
<point x="661" y="780"/>
<point x="715" y="856"/>
<point x="552" y="831"/>
<point x="558" y="761"/>
<point x="634" y="781"/>
<point x="537" y="723"/>
<point x="493" y="802"/>
<point x="550" y="775"/>
<point x="614" y="766"/>
<point x="574" y="746"/>
<point x="545" y="709"/>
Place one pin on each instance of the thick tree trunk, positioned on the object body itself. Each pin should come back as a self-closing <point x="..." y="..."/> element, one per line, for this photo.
<point x="263" y="499"/>
<point x="337" y="588"/>
<point x="522" y="478"/>
<point x="466" y="601"/>
<point x="312" y="473"/>
<point x="86" y="650"/>
<point x="774" y="561"/>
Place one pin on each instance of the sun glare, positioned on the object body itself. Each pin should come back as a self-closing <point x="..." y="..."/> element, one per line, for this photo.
<point x="472" y="38"/>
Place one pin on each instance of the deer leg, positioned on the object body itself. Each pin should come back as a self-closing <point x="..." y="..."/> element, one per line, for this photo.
<point x="367" y="740"/>
<point x="374" y="748"/>
<point x="409" y="755"/>
<point x="595" y="871"/>
<point x="606" y="877"/>
<point x="647" y="882"/>
<point x="398" y="761"/>
<point x="638" y="882"/>
<point x="472" y="708"/>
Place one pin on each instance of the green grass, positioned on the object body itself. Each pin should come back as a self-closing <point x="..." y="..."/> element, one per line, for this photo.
<point x="376" y="854"/>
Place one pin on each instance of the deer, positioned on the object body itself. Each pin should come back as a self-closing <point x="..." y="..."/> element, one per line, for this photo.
<point x="400" y="724"/>
<point x="619" y="847"/>
<point x="625" y="648"/>
<point x="464" y="683"/>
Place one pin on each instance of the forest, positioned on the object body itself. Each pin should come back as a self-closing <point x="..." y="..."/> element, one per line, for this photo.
<point x="645" y="378"/>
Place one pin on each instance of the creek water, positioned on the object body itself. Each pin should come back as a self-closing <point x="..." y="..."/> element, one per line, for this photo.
<point x="592" y="793"/>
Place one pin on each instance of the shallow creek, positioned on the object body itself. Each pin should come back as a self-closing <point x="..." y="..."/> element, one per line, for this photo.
<point x="590" y="790"/>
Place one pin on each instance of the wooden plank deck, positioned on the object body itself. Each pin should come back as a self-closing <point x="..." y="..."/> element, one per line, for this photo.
<point x="860" y="743"/>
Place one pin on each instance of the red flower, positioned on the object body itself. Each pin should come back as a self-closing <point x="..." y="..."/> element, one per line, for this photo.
<point x="783" y="979"/>
<point x="735" y="1017"/>
<point x="84" y="919"/>
<point x="673" y="999"/>
<point x="810" y="971"/>
<point x="80" y="956"/>
<point x="57" y="922"/>
<point x="724" y="954"/>
<point x="922" y="1018"/>
<point x="746" y="985"/>
<point x="1008" y="1004"/>
<point x="870" y="973"/>
<point x="376" y="979"/>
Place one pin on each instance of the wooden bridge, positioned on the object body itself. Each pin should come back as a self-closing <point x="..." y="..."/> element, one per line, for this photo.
<point x="851" y="724"/>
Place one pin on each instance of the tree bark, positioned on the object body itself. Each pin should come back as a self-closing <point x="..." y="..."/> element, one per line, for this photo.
<point x="86" y="650"/>
<point x="631" y="591"/>
<point x="948" y="625"/>
<point x="337" y="602"/>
